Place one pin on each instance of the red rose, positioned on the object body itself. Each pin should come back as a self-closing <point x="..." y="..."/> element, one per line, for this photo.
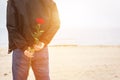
<point x="40" y="21"/>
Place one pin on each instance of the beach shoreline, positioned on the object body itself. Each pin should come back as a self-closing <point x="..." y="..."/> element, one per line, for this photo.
<point x="74" y="63"/>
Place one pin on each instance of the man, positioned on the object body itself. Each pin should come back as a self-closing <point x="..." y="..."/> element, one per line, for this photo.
<point x="21" y="16"/>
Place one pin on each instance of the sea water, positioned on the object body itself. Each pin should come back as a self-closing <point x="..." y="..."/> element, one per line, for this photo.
<point x="3" y="37"/>
<point x="78" y="36"/>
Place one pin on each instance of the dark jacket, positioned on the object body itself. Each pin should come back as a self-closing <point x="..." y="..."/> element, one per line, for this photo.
<point x="21" y="15"/>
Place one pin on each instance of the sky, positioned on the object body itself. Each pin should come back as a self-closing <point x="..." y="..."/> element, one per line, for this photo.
<point x="82" y="13"/>
<point x="2" y="13"/>
<point x="90" y="13"/>
<point x="84" y="21"/>
<point x="90" y="21"/>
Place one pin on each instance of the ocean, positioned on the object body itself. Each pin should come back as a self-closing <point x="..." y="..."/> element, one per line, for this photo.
<point x="3" y="37"/>
<point x="77" y="36"/>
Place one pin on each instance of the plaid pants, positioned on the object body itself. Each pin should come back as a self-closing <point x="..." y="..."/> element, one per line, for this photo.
<point x="39" y="63"/>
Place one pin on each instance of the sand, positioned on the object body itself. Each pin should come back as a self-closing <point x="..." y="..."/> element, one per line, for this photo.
<point x="74" y="63"/>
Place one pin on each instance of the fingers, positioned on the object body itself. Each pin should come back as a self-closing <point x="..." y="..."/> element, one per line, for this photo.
<point x="39" y="47"/>
<point x="42" y="44"/>
<point x="28" y="54"/>
<point x="30" y="51"/>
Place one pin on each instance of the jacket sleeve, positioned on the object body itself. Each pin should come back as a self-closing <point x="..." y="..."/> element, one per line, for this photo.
<point x="54" y="25"/>
<point x="14" y="35"/>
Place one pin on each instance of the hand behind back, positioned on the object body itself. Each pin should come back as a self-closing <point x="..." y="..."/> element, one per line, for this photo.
<point x="36" y="47"/>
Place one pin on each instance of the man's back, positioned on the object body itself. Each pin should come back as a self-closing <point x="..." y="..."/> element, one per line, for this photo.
<point x="21" y="15"/>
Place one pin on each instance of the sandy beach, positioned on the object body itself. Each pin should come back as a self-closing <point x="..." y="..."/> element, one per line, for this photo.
<point x="74" y="63"/>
